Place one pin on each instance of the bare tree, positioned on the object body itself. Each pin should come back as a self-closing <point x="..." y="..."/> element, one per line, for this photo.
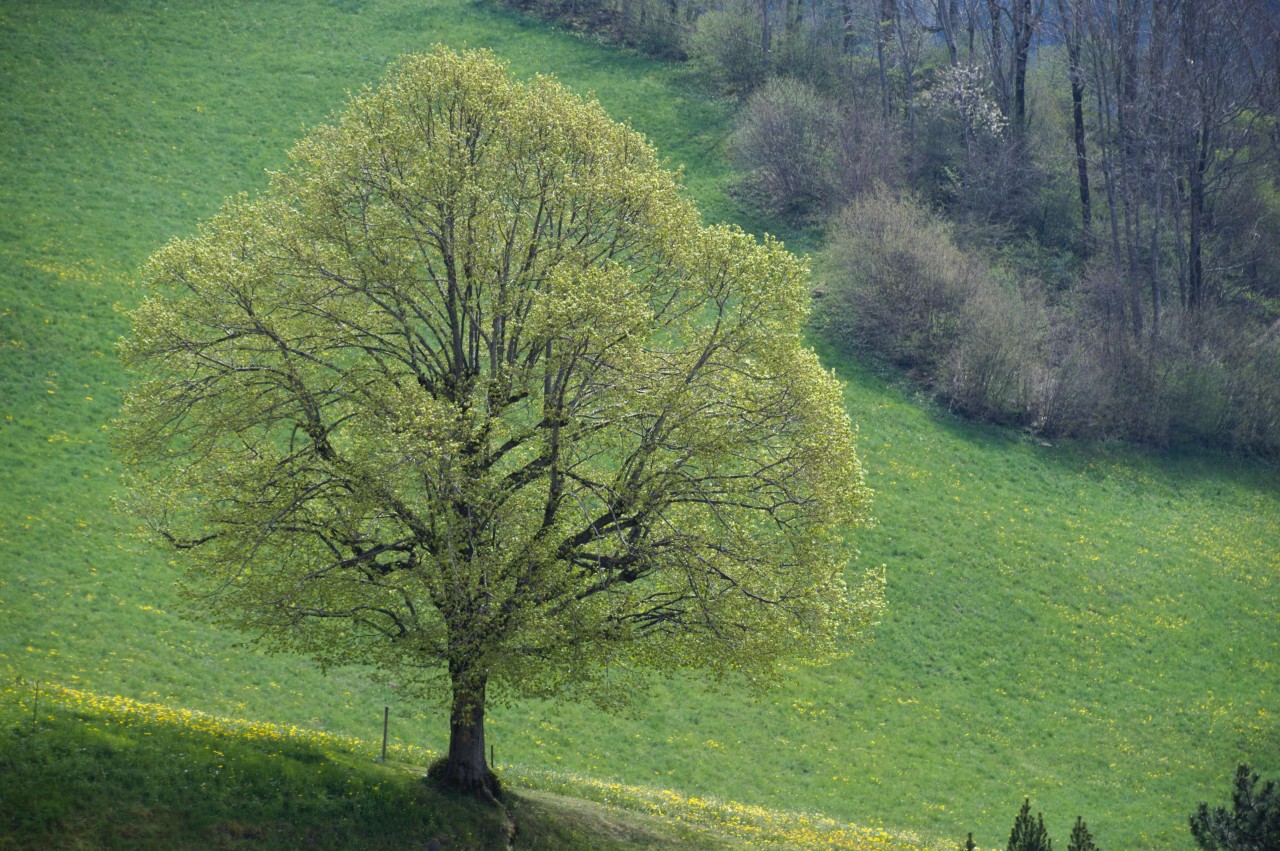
<point x="1071" y="19"/>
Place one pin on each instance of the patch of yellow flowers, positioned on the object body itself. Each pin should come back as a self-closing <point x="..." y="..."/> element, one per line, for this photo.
<point x="127" y="711"/>
<point x="745" y="824"/>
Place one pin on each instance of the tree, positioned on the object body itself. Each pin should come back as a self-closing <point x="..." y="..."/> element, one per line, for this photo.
<point x="1028" y="834"/>
<point x="1081" y="838"/>
<point x="1253" y="824"/>
<point x="1071" y="19"/>
<point x="471" y="395"/>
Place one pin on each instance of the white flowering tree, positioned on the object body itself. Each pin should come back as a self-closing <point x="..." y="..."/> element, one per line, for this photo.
<point x="963" y="91"/>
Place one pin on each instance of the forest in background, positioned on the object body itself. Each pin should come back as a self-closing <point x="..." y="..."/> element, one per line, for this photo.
<point x="1060" y="215"/>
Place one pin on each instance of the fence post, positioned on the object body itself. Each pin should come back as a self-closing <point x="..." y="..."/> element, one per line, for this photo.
<point x="386" y="719"/>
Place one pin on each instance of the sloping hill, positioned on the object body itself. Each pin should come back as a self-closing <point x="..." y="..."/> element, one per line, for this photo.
<point x="1092" y="627"/>
<point x="107" y="771"/>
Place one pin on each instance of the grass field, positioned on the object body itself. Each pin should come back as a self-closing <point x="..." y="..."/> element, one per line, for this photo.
<point x="1093" y="627"/>
<point x="107" y="771"/>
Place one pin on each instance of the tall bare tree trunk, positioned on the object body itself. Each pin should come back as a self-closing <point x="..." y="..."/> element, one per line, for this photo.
<point x="794" y="17"/>
<point x="848" y="17"/>
<point x="885" y="29"/>
<point x="1195" y="227"/>
<point x="1128" y="124"/>
<point x="907" y="57"/>
<point x="1024" y="28"/>
<point x="765" y="37"/>
<point x="1082" y="154"/>
<point x="947" y="12"/>
<point x="998" y="78"/>
<point x="1156" y="298"/>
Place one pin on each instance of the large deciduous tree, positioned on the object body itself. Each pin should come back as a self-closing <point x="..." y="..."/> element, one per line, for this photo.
<point x="470" y="394"/>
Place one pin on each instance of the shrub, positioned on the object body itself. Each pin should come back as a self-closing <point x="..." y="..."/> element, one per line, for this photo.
<point x="899" y="284"/>
<point x="1089" y="366"/>
<point x="656" y="29"/>
<point x="868" y="152"/>
<point x="783" y="143"/>
<point x="1253" y="386"/>
<point x="990" y="372"/>
<point x="726" y="47"/>
<point x="1211" y="376"/>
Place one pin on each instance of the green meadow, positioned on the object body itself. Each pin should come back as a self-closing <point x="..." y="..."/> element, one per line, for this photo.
<point x="1091" y="626"/>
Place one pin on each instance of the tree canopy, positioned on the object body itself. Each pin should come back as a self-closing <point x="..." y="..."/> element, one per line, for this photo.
<point x="470" y="394"/>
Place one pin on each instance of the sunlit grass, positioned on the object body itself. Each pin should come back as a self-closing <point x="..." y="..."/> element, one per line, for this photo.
<point x="1087" y="625"/>
<point x="747" y="825"/>
<point x="222" y="758"/>
<point x="83" y="770"/>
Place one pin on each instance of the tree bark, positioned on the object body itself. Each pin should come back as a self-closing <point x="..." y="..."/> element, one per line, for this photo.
<point x="1082" y="154"/>
<point x="1195" y="219"/>
<point x="765" y="37"/>
<point x="465" y="768"/>
<point x="1024" y="27"/>
<point x="1128" y="123"/>
<point x="884" y="30"/>
<point x="998" y="78"/>
<point x="1157" y="300"/>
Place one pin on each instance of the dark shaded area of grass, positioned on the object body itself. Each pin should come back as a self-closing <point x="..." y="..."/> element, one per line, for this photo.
<point x="89" y="779"/>
<point x="77" y="780"/>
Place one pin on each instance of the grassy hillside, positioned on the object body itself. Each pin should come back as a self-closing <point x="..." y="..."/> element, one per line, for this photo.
<point x="106" y="771"/>
<point x="1094" y="628"/>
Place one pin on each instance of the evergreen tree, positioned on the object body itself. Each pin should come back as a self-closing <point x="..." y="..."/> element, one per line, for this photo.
<point x="1029" y="834"/>
<point x="1252" y="823"/>
<point x="1081" y="838"/>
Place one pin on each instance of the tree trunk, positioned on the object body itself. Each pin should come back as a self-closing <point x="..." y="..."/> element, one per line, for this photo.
<point x="908" y="61"/>
<point x="1180" y="252"/>
<point x="465" y="768"/>
<point x="1082" y="155"/>
<point x="1024" y="27"/>
<point x="1128" y="123"/>
<point x="1195" y="218"/>
<point x="765" y="38"/>
<point x="848" y="18"/>
<point x="947" y="14"/>
<point x="884" y="30"/>
<point x="998" y="78"/>
<point x="1073" y="36"/>
<point x="1157" y="300"/>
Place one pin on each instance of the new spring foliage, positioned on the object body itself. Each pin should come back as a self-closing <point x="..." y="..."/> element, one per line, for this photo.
<point x="471" y="391"/>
